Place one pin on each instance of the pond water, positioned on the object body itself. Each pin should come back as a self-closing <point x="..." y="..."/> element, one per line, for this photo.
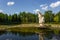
<point x="18" y="36"/>
<point x="26" y="36"/>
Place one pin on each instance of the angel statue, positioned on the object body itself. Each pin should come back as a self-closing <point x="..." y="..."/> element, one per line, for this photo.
<point x="41" y="18"/>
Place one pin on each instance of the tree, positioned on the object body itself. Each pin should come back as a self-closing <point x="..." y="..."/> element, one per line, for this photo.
<point x="19" y="19"/>
<point x="10" y="18"/>
<point x="48" y="16"/>
<point x="58" y="14"/>
<point x="1" y="17"/>
<point x="14" y="18"/>
<point x="6" y="18"/>
<point x="56" y="18"/>
<point x="28" y="17"/>
<point x="23" y="16"/>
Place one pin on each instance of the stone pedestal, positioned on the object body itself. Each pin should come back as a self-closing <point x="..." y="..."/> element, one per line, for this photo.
<point x="41" y="24"/>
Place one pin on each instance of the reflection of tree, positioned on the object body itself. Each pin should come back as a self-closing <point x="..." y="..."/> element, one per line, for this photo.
<point x="49" y="34"/>
<point x="17" y="33"/>
<point x="45" y="32"/>
<point x="2" y="32"/>
<point x="22" y="33"/>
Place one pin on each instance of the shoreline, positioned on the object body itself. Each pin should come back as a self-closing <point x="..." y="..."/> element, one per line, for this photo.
<point x="28" y="27"/>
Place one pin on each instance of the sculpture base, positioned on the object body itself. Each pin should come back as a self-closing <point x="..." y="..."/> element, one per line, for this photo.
<point x="41" y="25"/>
<point x="44" y="26"/>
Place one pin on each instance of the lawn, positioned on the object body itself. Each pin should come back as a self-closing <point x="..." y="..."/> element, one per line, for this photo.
<point x="29" y="28"/>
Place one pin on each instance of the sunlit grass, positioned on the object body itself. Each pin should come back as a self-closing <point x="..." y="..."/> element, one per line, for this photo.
<point x="29" y="28"/>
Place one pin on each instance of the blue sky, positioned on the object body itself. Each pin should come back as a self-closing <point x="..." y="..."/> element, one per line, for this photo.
<point x="16" y="6"/>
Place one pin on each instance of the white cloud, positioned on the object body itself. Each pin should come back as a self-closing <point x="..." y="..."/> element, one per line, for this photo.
<point x="10" y="3"/>
<point x="36" y="10"/>
<point x="44" y="6"/>
<point x="56" y="4"/>
<point x="1" y="11"/>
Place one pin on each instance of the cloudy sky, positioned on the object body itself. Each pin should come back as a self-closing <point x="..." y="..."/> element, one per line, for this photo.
<point x="16" y="6"/>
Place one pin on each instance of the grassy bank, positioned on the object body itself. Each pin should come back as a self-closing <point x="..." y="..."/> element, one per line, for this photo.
<point x="29" y="28"/>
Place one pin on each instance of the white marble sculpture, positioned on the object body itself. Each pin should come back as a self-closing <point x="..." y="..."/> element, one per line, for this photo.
<point x="41" y="18"/>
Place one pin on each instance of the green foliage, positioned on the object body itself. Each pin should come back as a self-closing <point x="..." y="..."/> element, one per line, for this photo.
<point x="27" y="17"/>
<point x="22" y="17"/>
<point x="56" y="19"/>
<point x="48" y="16"/>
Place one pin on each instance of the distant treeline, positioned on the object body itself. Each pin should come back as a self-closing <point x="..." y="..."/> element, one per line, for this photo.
<point x="22" y="17"/>
<point x="27" y="17"/>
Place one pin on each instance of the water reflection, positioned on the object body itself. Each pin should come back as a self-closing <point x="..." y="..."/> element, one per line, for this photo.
<point x="18" y="36"/>
<point x="11" y="35"/>
<point x="51" y="36"/>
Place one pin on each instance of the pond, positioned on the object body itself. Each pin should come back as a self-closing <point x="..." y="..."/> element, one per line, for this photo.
<point x="12" y="35"/>
<point x="18" y="36"/>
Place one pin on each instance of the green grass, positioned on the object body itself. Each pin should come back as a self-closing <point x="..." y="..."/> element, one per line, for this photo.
<point x="29" y="28"/>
